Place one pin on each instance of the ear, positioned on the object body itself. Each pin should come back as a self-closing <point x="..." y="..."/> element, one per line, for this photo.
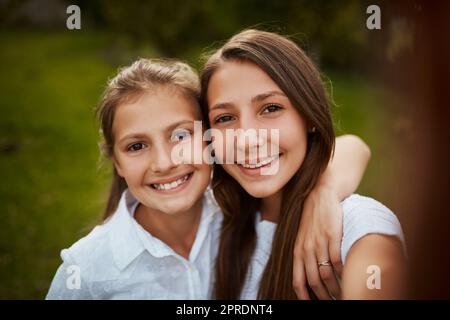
<point x="117" y="166"/>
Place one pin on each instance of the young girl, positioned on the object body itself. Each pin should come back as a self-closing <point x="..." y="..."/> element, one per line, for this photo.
<point x="160" y="236"/>
<point x="261" y="80"/>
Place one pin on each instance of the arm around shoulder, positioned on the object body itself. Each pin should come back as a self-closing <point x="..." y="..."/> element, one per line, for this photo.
<point x="347" y="165"/>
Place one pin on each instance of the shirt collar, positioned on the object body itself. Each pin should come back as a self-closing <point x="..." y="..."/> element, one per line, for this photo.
<point x="209" y="211"/>
<point x="125" y="244"/>
<point x="129" y="239"/>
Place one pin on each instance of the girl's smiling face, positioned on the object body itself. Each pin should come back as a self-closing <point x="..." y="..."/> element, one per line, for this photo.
<point x="242" y="96"/>
<point x="145" y="131"/>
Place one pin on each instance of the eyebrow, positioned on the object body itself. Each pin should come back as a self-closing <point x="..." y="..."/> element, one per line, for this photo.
<point x="137" y="135"/>
<point x="265" y="95"/>
<point x="257" y="98"/>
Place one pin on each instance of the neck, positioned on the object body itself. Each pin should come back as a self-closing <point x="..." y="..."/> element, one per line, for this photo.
<point x="178" y="231"/>
<point x="271" y="207"/>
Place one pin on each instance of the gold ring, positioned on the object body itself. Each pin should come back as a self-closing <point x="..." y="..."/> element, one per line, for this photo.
<point x="325" y="263"/>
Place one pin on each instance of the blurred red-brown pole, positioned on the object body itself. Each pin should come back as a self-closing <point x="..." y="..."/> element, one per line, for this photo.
<point x="422" y="76"/>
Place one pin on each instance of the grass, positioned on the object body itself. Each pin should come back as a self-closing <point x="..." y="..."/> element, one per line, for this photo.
<point x="372" y="112"/>
<point x="50" y="186"/>
<point x="51" y="191"/>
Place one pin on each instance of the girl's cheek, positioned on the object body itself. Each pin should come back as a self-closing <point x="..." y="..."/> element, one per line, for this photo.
<point x="135" y="165"/>
<point x="292" y="126"/>
<point x="190" y="153"/>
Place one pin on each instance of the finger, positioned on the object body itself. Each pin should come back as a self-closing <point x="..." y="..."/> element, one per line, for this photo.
<point x="335" y="254"/>
<point x="299" y="279"/>
<point x="329" y="279"/>
<point x="314" y="280"/>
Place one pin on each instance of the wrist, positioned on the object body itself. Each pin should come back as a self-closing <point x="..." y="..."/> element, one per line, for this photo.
<point x="327" y="182"/>
<point x="323" y="190"/>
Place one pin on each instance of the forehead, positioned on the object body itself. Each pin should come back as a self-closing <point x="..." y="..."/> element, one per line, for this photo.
<point x="155" y="110"/>
<point x="236" y="80"/>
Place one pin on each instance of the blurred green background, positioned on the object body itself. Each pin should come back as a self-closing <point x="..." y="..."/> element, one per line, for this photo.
<point x="52" y="190"/>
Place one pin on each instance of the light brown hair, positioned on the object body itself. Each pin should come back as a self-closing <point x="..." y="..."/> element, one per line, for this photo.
<point x="295" y="74"/>
<point x="142" y="76"/>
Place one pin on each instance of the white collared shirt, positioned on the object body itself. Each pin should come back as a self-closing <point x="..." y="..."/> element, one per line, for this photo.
<point x="361" y="216"/>
<point x="121" y="260"/>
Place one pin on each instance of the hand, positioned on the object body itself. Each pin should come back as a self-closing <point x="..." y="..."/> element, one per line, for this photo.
<point x="319" y="239"/>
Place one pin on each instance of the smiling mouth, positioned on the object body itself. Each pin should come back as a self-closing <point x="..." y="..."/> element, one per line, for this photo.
<point x="173" y="184"/>
<point x="263" y="163"/>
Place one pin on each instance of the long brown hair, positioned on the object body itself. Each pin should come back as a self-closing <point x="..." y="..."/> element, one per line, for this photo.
<point x="295" y="74"/>
<point x="142" y="76"/>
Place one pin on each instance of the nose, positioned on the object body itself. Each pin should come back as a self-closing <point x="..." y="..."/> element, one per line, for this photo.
<point x="248" y="136"/>
<point x="161" y="160"/>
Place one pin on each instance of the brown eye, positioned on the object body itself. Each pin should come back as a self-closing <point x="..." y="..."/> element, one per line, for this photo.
<point x="223" y="119"/>
<point x="136" y="147"/>
<point x="271" y="108"/>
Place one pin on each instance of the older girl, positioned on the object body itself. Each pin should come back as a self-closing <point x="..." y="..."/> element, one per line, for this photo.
<point x="261" y="80"/>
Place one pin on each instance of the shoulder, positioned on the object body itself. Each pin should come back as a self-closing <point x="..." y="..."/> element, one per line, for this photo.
<point x="92" y="254"/>
<point x="373" y="250"/>
<point x="363" y="216"/>
<point x="82" y="264"/>
<point x="360" y="203"/>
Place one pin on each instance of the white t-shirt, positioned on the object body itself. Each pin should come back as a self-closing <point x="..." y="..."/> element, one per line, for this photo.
<point x="361" y="216"/>
<point x="121" y="260"/>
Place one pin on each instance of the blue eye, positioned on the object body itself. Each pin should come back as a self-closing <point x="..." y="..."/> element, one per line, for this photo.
<point x="180" y="135"/>
<point x="271" y="108"/>
<point x="136" y="147"/>
<point x="222" y="119"/>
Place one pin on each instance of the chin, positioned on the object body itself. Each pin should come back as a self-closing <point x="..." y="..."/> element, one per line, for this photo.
<point x="174" y="208"/>
<point x="261" y="190"/>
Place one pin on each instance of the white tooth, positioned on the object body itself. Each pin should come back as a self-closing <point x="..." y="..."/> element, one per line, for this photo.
<point x="171" y="185"/>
